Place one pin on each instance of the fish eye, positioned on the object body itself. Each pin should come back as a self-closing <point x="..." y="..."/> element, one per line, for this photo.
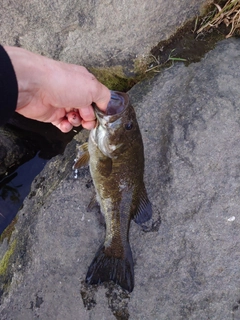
<point x="128" y="126"/>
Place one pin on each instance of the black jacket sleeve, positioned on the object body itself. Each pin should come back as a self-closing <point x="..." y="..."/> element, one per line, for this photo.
<point x="8" y="87"/>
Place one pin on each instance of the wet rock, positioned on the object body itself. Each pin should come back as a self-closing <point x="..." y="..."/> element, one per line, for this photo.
<point x="188" y="266"/>
<point x="22" y="138"/>
<point x="15" y="148"/>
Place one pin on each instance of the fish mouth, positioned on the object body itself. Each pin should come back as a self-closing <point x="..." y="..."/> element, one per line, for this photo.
<point x="108" y="122"/>
<point x="116" y="106"/>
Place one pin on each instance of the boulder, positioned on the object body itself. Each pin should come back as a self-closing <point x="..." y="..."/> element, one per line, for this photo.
<point x="187" y="267"/>
<point x="93" y="33"/>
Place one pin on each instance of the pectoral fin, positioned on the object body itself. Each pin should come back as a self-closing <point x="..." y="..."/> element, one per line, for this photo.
<point x="144" y="210"/>
<point x="83" y="159"/>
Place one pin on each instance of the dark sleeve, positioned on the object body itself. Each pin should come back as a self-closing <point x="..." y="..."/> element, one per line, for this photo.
<point x="8" y="87"/>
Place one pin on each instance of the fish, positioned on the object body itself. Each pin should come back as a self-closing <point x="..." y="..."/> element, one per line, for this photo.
<point x="115" y="154"/>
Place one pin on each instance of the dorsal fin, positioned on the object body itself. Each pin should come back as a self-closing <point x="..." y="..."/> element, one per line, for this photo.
<point x="144" y="210"/>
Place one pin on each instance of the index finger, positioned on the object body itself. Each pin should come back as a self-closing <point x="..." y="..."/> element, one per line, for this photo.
<point x="87" y="113"/>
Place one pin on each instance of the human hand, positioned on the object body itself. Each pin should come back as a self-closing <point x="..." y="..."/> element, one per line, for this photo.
<point x="56" y="92"/>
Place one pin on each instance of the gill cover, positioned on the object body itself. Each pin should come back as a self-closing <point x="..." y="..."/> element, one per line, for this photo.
<point x="110" y="124"/>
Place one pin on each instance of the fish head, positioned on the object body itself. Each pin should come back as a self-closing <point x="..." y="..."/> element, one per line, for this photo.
<point x="117" y="127"/>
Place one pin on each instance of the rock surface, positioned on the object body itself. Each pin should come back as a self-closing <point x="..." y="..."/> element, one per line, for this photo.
<point x="93" y="33"/>
<point x="185" y="268"/>
<point x="14" y="149"/>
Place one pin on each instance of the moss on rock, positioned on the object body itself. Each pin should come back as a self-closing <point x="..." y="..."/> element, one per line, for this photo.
<point x="115" y="78"/>
<point x="8" y="231"/>
<point x="4" y="262"/>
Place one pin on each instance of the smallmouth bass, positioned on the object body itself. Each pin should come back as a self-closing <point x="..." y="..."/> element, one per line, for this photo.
<point x="116" y="159"/>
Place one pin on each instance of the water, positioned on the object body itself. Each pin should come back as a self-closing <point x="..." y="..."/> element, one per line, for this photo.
<point x="15" y="187"/>
<point x="44" y="139"/>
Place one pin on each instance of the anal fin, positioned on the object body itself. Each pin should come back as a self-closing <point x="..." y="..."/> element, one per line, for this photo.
<point x="93" y="203"/>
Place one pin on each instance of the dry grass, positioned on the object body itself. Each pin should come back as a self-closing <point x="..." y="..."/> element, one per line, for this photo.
<point x="229" y="14"/>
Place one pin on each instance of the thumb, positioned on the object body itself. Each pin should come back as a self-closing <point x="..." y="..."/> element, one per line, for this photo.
<point x="104" y="98"/>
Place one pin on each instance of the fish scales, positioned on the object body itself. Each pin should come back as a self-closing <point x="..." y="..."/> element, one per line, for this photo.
<point x="116" y="161"/>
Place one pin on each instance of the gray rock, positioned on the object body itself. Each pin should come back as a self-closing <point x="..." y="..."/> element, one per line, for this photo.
<point x="186" y="268"/>
<point x="93" y="33"/>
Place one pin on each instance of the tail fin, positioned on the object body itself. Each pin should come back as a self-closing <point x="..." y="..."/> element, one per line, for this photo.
<point x="108" y="268"/>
